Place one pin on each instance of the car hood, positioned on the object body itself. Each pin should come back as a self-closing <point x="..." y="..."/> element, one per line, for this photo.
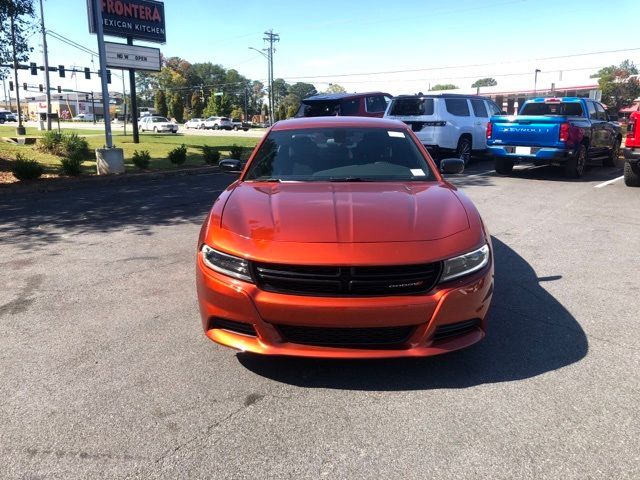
<point x="343" y="212"/>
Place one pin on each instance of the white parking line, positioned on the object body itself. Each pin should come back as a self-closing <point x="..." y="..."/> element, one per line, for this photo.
<point x="480" y="174"/>
<point x="608" y="182"/>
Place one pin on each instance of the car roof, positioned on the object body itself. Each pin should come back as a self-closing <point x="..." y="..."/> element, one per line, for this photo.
<point x="328" y="122"/>
<point x="442" y="95"/>
<point x="340" y="96"/>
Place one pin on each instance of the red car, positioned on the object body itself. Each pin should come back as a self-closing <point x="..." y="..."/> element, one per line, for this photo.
<point x="632" y="152"/>
<point x="369" y="104"/>
<point x="341" y="239"/>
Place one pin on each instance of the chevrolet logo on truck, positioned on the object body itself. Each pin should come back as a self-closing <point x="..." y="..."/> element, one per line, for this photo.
<point x="526" y="130"/>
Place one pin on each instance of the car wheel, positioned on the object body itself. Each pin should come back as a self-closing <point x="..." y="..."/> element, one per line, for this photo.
<point x="216" y="127"/>
<point x="632" y="174"/>
<point x="577" y="164"/>
<point x="463" y="151"/>
<point x="504" y="166"/>
<point x="155" y="130"/>
<point x="610" y="161"/>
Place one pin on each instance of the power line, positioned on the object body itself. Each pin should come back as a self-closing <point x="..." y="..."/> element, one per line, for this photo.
<point x="451" y="67"/>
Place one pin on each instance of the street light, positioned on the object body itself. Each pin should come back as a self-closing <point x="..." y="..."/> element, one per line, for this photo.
<point x="269" y="80"/>
<point x="535" y="81"/>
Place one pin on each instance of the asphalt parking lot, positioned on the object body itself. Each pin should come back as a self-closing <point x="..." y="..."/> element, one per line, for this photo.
<point x="105" y="372"/>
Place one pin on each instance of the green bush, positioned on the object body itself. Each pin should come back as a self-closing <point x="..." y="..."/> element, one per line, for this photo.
<point x="141" y="159"/>
<point x="74" y="147"/>
<point x="236" y="152"/>
<point x="210" y="154"/>
<point x="25" y="169"/>
<point x="71" y="166"/>
<point x="178" y="155"/>
<point x="50" y="142"/>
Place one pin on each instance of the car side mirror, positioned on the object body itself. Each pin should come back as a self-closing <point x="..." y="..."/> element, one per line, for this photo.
<point x="230" y="165"/>
<point x="451" y="165"/>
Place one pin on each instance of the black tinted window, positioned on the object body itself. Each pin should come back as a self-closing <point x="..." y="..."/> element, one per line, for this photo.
<point x="412" y="106"/>
<point x="479" y="109"/>
<point x="350" y="106"/>
<point x="558" y="108"/>
<point x="321" y="154"/>
<point x="457" y="106"/>
<point x="376" y="104"/>
<point x="493" y="108"/>
<point x="325" y="108"/>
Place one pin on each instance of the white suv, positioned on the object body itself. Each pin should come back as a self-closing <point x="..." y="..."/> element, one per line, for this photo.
<point x="446" y="123"/>
<point x="218" y="123"/>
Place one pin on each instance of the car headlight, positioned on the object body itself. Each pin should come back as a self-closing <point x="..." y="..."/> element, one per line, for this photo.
<point x="465" y="264"/>
<point x="226" y="264"/>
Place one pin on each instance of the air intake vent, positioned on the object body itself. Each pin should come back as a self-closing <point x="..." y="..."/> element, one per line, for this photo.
<point x="455" y="329"/>
<point x="374" y="337"/>
<point x="233" y="326"/>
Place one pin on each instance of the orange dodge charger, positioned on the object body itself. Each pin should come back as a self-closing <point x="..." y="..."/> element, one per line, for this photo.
<point x="340" y="239"/>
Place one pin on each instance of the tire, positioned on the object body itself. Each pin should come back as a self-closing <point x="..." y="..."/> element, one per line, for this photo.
<point x="463" y="150"/>
<point x="577" y="164"/>
<point x="155" y="130"/>
<point x="216" y="127"/>
<point x="610" y="161"/>
<point x="235" y="129"/>
<point x="504" y="166"/>
<point x="631" y="175"/>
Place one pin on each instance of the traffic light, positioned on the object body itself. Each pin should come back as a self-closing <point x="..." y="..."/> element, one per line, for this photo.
<point x="61" y="71"/>
<point x="34" y="68"/>
<point x="24" y="86"/>
<point x="87" y="73"/>
<point x="41" y="88"/>
<point x="10" y="85"/>
<point x="59" y="89"/>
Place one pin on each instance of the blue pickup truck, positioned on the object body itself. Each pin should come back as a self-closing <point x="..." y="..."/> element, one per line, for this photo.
<point x="571" y="132"/>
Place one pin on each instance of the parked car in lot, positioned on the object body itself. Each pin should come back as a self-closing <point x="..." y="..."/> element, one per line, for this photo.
<point x="83" y="117"/>
<point x="571" y="132"/>
<point x="197" y="123"/>
<point x="8" y="117"/>
<point x="240" y="125"/>
<point x="370" y="104"/>
<point x="632" y="152"/>
<point x="446" y="124"/>
<point x="155" y="124"/>
<point x="341" y="239"/>
<point x="218" y="123"/>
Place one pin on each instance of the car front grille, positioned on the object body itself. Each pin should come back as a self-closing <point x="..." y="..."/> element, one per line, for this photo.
<point x="347" y="281"/>
<point x="455" y="329"/>
<point x="364" y="337"/>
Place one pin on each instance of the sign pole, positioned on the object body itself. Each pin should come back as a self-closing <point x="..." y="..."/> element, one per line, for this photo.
<point x="97" y="8"/>
<point x="134" y="100"/>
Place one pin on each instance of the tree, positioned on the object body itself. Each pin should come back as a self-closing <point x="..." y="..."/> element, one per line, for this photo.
<point x="176" y="107"/>
<point x="619" y="89"/>
<point x="22" y="12"/>
<point x="335" y="88"/>
<point x="301" y="90"/>
<point x="444" y="86"/>
<point x="237" y="113"/>
<point x="196" y="105"/>
<point x="213" y="106"/>
<point x="484" y="82"/>
<point x="160" y="103"/>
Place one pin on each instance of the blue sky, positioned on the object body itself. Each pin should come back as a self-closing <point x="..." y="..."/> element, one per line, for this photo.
<point x="332" y="38"/>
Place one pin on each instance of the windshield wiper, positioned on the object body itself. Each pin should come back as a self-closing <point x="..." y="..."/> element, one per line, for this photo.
<point x="347" y="179"/>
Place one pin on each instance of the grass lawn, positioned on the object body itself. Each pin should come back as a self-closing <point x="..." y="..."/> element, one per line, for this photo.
<point x="158" y="146"/>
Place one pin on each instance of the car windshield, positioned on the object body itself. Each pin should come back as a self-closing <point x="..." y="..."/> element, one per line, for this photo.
<point x="159" y="119"/>
<point x="559" y="108"/>
<point x="339" y="154"/>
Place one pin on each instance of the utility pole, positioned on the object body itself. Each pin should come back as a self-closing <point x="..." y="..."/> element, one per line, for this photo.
<point x="97" y="6"/>
<point x="20" y="130"/>
<point x="4" y="89"/>
<point x="271" y="38"/>
<point x="46" y="66"/>
<point x="535" y="81"/>
<point x="134" y="100"/>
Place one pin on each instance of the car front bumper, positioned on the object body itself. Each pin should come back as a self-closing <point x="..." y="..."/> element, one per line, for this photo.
<point x="458" y="301"/>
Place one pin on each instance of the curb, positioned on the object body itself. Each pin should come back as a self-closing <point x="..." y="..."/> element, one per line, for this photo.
<point x="57" y="184"/>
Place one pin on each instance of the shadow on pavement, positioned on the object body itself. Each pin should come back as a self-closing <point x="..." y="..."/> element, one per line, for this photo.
<point x="530" y="333"/>
<point x="37" y="219"/>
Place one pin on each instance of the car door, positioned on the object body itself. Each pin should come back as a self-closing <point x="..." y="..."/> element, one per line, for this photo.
<point x="608" y="132"/>
<point x="480" y="120"/>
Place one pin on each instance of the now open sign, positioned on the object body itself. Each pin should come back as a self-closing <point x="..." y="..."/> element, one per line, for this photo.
<point x="132" y="57"/>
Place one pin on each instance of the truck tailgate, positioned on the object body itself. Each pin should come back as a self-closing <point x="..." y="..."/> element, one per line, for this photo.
<point x="526" y="130"/>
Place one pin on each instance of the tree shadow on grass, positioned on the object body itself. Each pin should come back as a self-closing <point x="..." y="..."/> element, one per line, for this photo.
<point x="530" y="333"/>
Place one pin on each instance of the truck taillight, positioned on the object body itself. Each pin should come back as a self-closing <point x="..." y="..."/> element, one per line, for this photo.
<point x="564" y="132"/>
<point x="631" y="129"/>
<point x="489" y="129"/>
